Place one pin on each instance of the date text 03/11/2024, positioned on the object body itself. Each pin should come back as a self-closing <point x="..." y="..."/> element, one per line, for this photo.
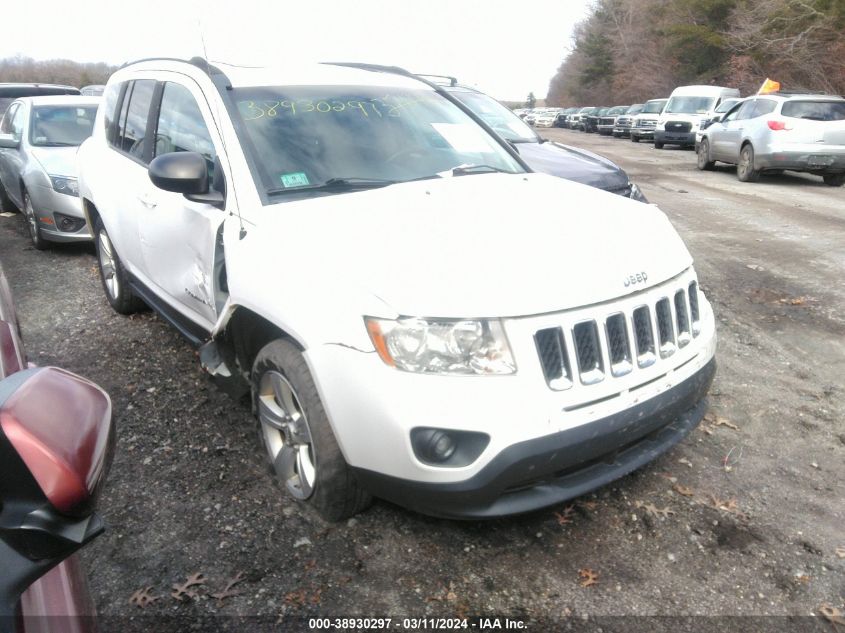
<point x="417" y="624"/>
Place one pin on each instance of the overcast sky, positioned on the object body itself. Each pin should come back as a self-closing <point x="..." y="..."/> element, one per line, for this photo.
<point x="503" y="47"/>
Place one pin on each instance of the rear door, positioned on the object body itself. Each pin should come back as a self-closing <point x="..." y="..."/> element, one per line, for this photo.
<point x="178" y="236"/>
<point x="129" y="159"/>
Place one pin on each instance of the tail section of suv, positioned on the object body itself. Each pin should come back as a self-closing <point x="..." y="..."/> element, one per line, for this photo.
<point x="406" y="303"/>
<point x="773" y="132"/>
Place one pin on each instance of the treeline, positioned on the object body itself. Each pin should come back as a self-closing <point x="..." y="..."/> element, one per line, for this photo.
<point x="631" y="50"/>
<point x="53" y="71"/>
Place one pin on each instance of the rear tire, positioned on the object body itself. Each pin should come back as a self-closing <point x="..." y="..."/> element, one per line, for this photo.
<point x="38" y="241"/>
<point x="658" y="145"/>
<point x="298" y="437"/>
<point x="834" y="180"/>
<point x="635" y="139"/>
<point x="745" y="169"/>
<point x="113" y="275"/>
<point x="704" y="163"/>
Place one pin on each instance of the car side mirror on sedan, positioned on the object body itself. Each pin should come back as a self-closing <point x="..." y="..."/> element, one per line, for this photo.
<point x="56" y="444"/>
<point x="8" y="141"/>
<point x="185" y="173"/>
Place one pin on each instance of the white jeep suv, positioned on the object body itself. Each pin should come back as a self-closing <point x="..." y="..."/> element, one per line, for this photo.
<point x="416" y="316"/>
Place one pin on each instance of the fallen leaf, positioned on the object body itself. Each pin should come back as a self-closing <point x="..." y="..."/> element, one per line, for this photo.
<point x="685" y="462"/>
<point x="565" y="517"/>
<point x="832" y="614"/>
<point x="588" y="577"/>
<point x="683" y="490"/>
<point x="755" y="267"/>
<point x="803" y="578"/>
<point x="143" y="598"/>
<point x="840" y="552"/>
<point x="227" y="592"/>
<point x="654" y="510"/>
<point x="181" y="591"/>
<point x="317" y="596"/>
<point x="589" y="505"/>
<point x="311" y="564"/>
<point x="296" y="598"/>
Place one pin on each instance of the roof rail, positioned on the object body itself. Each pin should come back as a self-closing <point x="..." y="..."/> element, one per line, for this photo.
<point x="197" y="61"/>
<point x="452" y="80"/>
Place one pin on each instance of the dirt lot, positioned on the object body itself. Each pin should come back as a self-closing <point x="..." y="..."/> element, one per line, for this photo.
<point x="745" y="517"/>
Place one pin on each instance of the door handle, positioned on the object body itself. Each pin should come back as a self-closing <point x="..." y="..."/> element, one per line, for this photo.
<point x="147" y="200"/>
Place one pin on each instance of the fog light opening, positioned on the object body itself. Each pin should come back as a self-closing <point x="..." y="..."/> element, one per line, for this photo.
<point x="440" y="447"/>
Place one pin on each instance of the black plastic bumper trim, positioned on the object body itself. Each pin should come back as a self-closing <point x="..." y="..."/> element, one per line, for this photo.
<point x="555" y="468"/>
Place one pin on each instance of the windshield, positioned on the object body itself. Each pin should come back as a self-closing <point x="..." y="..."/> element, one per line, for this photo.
<point x="815" y="110"/>
<point x="61" y="125"/>
<point x="635" y="109"/>
<point x="503" y="121"/>
<point x="654" y="107"/>
<point x="689" y="105"/>
<point x="311" y="136"/>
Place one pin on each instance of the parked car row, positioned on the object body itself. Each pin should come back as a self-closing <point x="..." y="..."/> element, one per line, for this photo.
<point x="763" y="133"/>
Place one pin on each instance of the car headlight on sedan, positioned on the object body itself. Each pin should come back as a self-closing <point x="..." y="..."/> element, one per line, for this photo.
<point x="62" y="184"/>
<point x="637" y="194"/>
<point x="468" y="347"/>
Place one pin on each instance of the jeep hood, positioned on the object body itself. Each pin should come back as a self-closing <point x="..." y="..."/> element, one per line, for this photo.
<point x="486" y="245"/>
<point x="575" y="164"/>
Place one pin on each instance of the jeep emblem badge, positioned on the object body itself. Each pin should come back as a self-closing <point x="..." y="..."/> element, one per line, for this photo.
<point x="639" y="278"/>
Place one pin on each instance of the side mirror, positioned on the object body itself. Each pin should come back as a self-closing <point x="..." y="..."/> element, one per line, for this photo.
<point x="7" y="141"/>
<point x="185" y="173"/>
<point x="56" y="443"/>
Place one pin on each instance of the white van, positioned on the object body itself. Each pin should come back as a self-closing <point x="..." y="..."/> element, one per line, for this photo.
<point x="688" y="106"/>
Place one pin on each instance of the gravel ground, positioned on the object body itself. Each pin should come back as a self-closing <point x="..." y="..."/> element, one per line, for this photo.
<point x="743" y="518"/>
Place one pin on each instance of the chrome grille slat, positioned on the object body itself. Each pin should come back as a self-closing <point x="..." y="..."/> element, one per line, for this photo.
<point x="665" y="329"/>
<point x="644" y="332"/>
<point x="588" y="351"/>
<point x="692" y="291"/>
<point x="618" y="347"/>
<point x="682" y="318"/>
<point x="552" y="350"/>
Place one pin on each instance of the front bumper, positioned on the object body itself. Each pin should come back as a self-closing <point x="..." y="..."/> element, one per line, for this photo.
<point x="644" y="132"/>
<point x="555" y="468"/>
<point x="47" y="203"/>
<point x="674" y="138"/>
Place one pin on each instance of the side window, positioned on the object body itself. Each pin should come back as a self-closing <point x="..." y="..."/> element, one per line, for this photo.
<point x="109" y="104"/>
<point x="763" y="107"/>
<point x="745" y="110"/>
<point x="181" y="127"/>
<point x="120" y="126"/>
<point x="731" y="114"/>
<point x="6" y="124"/>
<point x="135" y="125"/>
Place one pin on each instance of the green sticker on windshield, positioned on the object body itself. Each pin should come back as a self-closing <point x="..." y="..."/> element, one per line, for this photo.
<point x="296" y="179"/>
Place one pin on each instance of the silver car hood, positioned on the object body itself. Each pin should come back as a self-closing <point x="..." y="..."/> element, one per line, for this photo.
<point x="57" y="161"/>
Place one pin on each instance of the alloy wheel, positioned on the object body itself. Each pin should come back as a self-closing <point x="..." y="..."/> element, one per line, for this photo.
<point x="286" y="434"/>
<point x="108" y="265"/>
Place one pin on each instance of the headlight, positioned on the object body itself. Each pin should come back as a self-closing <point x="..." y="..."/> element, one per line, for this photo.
<point x="637" y="194"/>
<point x="65" y="185"/>
<point x="442" y="346"/>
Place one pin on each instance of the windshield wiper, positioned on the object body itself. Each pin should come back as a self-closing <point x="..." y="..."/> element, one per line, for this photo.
<point x="55" y="144"/>
<point x="468" y="170"/>
<point x="338" y="183"/>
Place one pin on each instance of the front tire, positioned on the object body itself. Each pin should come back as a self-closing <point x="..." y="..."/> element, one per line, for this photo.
<point x="658" y="145"/>
<point x="745" y="169"/>
<point x="6" y="203"/>
<point x="635" y="139"/>
<point x="298" y="437"/>
<point x="704" y="163"/>
<point x="834" y="180"/>
<point x="113" y="275"/>
<point x="38" y="241"/>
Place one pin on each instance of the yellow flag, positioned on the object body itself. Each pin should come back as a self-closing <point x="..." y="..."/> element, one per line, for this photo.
<point x="768" y="87"/>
